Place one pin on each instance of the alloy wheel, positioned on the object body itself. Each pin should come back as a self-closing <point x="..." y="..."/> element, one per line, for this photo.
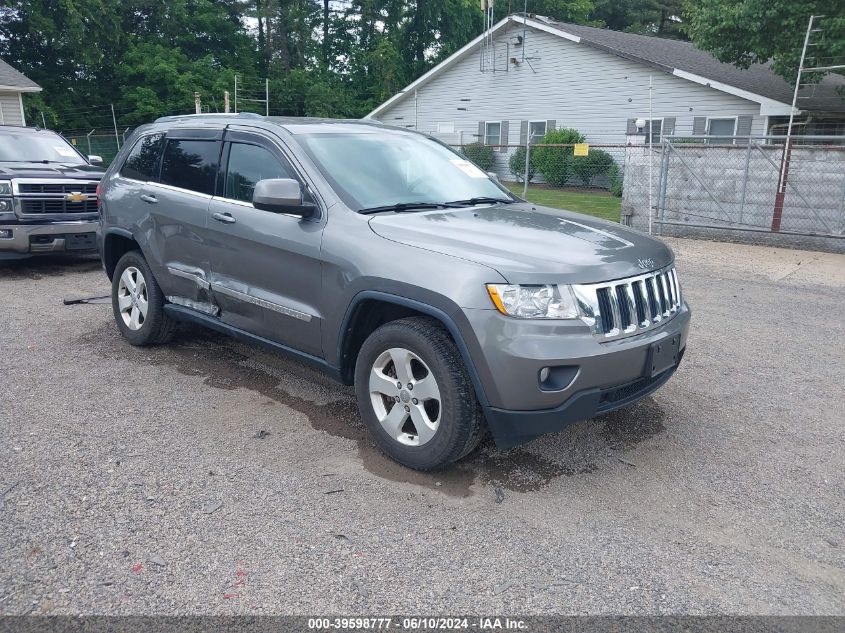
<point x="132" y="298"/>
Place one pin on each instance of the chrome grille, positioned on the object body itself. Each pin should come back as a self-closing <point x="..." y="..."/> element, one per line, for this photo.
<point x="626" y="307"/>
<point x="40" y="198"/>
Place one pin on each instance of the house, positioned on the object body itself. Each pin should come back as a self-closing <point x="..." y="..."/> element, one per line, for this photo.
<point x="530" y="73"/>
<point x="12" y="86"/>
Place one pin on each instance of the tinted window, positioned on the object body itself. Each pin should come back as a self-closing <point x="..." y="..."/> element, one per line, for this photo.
<point x="247" y="165"/>
<point x="142" y="162"/>
<point x="190" y="164"/>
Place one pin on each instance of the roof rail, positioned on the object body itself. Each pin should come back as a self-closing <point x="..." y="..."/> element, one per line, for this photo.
<point x="212" y="115"/>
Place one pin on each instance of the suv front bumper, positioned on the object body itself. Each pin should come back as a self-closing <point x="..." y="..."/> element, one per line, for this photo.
<point x="56" y="237"/>
<point x="601" y="376"/>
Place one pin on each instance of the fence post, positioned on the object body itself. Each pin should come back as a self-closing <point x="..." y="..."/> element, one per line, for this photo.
<point x="745" y="179"/>
<point x="114" y="120"/>
<point x="664" y="182"/>
<point x="527" y="163"/>
<point x="777" y="214"/>
<point x="88" y="136"/>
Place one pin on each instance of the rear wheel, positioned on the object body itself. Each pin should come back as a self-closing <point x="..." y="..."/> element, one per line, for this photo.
<point x="138" y="303"/>
<point x="415" y="395"/>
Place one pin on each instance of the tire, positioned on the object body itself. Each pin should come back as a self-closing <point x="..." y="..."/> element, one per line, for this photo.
<point x="439" y="423"/>
<point x="140" y="328"/>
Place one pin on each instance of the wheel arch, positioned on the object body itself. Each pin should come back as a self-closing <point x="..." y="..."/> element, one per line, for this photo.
<point x="116" y="243"/>
<point x="370" y="309"/>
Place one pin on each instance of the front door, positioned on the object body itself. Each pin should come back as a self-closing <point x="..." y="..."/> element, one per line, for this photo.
<point x="264" y="266"/>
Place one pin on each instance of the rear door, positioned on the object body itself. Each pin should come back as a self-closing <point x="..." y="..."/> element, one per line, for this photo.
<point x="178" y="203"/>
<point x="265" y="267"/>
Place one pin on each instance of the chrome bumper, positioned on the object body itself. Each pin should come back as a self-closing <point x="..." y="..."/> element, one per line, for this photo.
<point x="53" y="239"/>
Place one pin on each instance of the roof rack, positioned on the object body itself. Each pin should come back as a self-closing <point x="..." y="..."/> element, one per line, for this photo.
<point x="177" y="117"/>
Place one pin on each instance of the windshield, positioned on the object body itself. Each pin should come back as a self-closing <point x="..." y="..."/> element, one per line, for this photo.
<point x="37" y="148"/>
<point x="370" y="170"/>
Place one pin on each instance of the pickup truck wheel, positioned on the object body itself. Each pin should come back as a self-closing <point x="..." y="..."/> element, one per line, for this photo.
<point x="138" y="302"/>
<point x="415" y="396"/>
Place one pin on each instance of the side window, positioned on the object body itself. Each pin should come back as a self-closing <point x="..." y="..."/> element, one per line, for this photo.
<point x="247" y="165"/>
<point x="142" y="162"/>
<point x="190" y="164"/>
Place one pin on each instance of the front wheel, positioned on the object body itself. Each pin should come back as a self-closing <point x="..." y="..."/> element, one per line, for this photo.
<point x="138" y="303"/>
<point x="415" y="395"/>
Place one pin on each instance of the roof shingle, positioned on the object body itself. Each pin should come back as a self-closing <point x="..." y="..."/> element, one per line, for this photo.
<point x="14" y="79"/>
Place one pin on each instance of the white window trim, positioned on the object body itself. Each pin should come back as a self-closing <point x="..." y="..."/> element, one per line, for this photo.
<point x="486" y="123"/>
<point x="545" y="123"/>
<point x="722" y="118"/>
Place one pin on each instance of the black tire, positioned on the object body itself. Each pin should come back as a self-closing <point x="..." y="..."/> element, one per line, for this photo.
<point x="461" y="421"/>
<point x="157" y="328"/>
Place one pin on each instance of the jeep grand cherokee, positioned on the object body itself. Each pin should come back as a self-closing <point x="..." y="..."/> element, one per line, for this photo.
<point x="394" y="264"/>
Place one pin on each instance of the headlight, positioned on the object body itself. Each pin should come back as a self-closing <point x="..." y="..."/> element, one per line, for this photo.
<point x="534" y="302"/>
<point x="5" y="187"/>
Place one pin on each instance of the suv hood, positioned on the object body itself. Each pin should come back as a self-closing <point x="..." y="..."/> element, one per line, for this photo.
<point x="50" y="170"/>
<point x="529" y="244"/>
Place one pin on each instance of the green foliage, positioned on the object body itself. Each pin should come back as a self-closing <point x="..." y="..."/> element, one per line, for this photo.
<point x="664" y="18"/>
<point x="517" y="164"/>
<point x="596" y="163"/>
<point x="614" y="176"/>
<point x="744" y="32"/>
<point x="482" y="155"/>
<point x="555" y="163"/>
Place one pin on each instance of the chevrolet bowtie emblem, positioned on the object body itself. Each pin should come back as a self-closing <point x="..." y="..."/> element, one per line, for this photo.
<point x="76" y="197"/>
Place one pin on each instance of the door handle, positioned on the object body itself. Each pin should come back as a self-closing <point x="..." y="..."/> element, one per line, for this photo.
<point x="148" y="199"/>
<point x="225" y="218"/>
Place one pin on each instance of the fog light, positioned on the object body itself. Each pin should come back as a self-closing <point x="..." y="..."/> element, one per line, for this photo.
<point x="558" y="377"/>
<point x="6" y="234"/>
<point x="5" y="206"/>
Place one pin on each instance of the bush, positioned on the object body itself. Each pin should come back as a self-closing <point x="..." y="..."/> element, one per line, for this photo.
<point x="596" y="163"/>
<point x="482" y="155"/>
<point x="614" y="175"/>
<point x="555" y="163"/>
<point x="517" y="164"/>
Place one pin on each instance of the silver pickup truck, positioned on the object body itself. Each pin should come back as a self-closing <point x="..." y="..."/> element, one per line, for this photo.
<point x="393" y="263"/>
<point x="48" y="194"/>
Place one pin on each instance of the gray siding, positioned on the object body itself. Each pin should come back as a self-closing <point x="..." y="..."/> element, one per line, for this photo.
<point x="578" y="86"/>
<point x="10" y="109"/>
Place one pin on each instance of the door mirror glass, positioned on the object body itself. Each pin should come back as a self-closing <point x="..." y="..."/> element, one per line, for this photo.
<point x="95" y="160"/>
<point x="281" y="195"/>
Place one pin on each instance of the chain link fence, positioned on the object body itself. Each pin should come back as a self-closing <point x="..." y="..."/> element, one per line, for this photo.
<point x="98" y="143"/>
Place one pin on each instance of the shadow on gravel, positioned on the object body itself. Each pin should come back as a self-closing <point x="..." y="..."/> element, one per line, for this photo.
<point x="208" y="354"/>
<point x="41" y="266"/>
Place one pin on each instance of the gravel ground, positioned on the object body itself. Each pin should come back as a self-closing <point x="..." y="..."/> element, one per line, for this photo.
<point x="211" y="477"/>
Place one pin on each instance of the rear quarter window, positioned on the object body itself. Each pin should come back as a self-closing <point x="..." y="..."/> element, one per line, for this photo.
<point x="190" y="164"/>
<point x="142" y="162"/>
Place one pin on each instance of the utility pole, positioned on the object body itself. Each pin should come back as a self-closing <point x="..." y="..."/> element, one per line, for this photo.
<point x="226" y="101"/>
<point x="197" y="103"/>
<point x="266" y="96"/>
<point x="236" y="94"/>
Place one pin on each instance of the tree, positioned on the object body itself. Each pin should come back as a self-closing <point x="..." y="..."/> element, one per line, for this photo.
<point x="744" y="32"/>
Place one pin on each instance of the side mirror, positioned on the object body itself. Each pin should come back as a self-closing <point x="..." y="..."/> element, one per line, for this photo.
<point x="95" y="160"/>
<point x="281" y="195"/>
<point x="493" y="175"/>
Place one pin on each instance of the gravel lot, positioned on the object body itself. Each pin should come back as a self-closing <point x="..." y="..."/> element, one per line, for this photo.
<point x="212" y="477"/>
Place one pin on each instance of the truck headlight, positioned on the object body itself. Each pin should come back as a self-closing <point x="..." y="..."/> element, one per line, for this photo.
<point x="534" y="302"/>
<point x="5" y="187"/>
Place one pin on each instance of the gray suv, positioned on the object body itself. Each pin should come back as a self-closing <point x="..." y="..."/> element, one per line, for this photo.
<point x="391" y="262"/>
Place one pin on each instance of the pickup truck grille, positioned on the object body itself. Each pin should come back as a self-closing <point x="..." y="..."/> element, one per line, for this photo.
<point x="58" y="206"/>
<point x="57" y="187"/>
<point x="626" y="307"/>
<point x="36" y="198"/>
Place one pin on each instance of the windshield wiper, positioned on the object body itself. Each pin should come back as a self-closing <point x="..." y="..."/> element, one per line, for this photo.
<point x="479" y="200"/>
<point x="403" y="206"/>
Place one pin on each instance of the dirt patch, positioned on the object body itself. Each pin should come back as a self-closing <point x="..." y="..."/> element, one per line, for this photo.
<point x="208" y="354"/>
